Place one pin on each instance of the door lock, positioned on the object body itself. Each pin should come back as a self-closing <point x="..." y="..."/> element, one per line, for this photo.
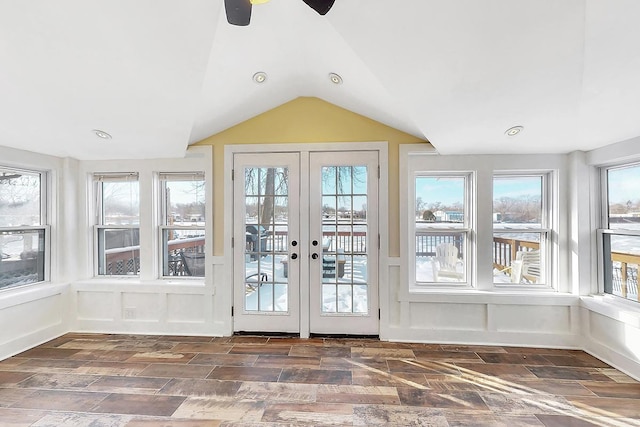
<point x="294" y="256"/>
<point x="314" y="256"/>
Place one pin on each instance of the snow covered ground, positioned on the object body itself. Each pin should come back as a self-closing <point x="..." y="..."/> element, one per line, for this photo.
<point x="266" y="286"/>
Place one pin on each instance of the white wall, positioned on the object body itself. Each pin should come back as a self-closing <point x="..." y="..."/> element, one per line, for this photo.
<point x="33" y="314"/>
<point x="566" y="317"/>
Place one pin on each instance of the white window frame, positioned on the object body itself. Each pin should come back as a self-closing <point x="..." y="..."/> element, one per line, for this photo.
<point x="467" y="230"/>
<point x="546" y="230"/>
<point x="421" y="157"/>
<point x="195" y="159"/>
<point x="99" y="226"/>
<point x="605" y="231"/>
<point x="44" y="226"/>
<point x="162" y="178"/>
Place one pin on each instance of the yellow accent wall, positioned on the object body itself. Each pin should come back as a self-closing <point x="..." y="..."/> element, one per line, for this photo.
<point x="305" y="120"/>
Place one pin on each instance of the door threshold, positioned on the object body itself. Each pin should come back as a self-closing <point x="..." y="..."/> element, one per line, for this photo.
<point x="348" y="336"/>
<point x="267" y="334"/>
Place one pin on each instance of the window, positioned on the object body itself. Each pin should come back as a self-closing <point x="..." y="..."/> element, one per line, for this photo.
<point x="621" y="233"/>
<point x="442" y="228"/>
<point x="118" y="224"/>
<point x="22" y="227"/>
<point x="521" y="229"/>
<point x="182" y="224"/>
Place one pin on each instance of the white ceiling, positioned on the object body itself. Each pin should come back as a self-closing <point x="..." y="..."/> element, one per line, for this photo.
<point x="161" y="74"/>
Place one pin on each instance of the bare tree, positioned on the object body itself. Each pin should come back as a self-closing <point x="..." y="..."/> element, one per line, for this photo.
<point x="269" y="184"/>
<point x="420" y="205"/>
<point x="504" y="206"/>
<point x="266" y="217"/>
<point x="266" y="186"/>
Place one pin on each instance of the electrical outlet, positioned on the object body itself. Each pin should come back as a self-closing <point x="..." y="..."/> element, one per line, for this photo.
<point x="130" y="313"/>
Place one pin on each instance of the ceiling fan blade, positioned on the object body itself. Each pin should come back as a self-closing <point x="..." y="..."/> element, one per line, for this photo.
<point x="238" y="12"/>
<point x="320" y="6"/>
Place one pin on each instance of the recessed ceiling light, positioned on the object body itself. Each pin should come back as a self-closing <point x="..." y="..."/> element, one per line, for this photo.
<point x="335" y="78"/>
<point x="513" y="131"/>
<point x="260" y="77"/>
<point x="101" y="134"/>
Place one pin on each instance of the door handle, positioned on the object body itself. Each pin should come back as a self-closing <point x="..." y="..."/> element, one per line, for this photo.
<point x="314" y="256"/>
<point x="294" y="256"/>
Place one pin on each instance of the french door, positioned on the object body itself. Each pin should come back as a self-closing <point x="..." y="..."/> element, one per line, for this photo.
<point x="306" y="242"/>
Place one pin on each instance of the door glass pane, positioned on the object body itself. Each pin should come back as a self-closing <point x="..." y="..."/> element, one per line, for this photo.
<point x="266" y="230"/>
<point x="344" y="240"/>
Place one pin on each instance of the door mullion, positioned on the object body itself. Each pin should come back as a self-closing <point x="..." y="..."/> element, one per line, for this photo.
<point x="304" y="202"/>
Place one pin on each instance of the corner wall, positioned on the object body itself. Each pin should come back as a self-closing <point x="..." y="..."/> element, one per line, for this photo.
<point x="146" y="304"/>
<point x="33" y="314"/>
<point x="610" y="326"/>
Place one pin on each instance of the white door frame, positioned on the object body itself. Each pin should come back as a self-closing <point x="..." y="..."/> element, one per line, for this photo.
<point x="226" y="293"/>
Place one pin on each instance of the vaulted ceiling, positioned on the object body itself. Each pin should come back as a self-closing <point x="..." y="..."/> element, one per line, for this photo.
<point x="161" y="74"/>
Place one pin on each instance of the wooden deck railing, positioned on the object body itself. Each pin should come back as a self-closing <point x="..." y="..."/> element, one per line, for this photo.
<point x="505" y="250"/>
<point x="349" y="242"/>
<point x="426" y="243"/>
<point x="126" y="260"/>
<point x="627" y="282"/>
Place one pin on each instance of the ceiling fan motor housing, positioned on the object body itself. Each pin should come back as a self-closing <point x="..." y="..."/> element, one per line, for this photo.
<point x="239" y="11"/>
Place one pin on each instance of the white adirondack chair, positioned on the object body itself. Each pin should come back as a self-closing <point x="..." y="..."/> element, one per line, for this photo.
<point x="526" y="266"/>
<point x="445" y="262"/>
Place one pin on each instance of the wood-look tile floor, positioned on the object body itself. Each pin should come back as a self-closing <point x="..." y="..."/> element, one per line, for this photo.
<point x="94" y="380"/>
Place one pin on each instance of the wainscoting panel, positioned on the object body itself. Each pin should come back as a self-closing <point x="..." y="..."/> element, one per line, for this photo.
<point x="532" y="318"/>
<point x="96" y="306"/>
<point x="32" y="316"/>
<point x="439" y="316"/>
<point x="185" y="308"/>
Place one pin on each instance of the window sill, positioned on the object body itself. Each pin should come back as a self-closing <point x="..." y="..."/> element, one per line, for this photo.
<point x="627" y="312"/>
<point x="16" y="295"/>
<point x="499" y="296"/>
<point x="128" y="282"/>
